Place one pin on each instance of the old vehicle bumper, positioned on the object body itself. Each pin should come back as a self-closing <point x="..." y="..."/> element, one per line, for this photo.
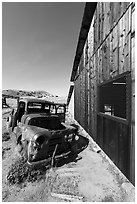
<point x="48" y="161"/>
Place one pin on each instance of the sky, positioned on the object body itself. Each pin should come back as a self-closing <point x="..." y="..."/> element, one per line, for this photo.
<point x="39" y="41"/>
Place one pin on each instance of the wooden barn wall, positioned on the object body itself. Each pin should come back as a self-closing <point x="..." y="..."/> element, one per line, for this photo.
<point x="113" y="38"/>
<point x="80" y="99"/>
<point x="109" y="51"/>
<point x="132" y="141"/>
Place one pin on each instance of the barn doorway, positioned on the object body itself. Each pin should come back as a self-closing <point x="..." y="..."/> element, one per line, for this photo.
<point x="113" y="120"/>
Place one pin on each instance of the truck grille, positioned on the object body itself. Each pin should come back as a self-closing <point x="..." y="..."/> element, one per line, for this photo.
<point x="52" y="144"/>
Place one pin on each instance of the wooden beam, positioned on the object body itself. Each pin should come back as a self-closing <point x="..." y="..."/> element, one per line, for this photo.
<point x="86" y="21"/>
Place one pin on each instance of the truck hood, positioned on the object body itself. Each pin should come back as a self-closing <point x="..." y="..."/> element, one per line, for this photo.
<point x="29" y="132"/>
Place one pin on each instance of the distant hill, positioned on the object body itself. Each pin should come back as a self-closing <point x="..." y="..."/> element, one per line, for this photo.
<point x="21" y="93"/>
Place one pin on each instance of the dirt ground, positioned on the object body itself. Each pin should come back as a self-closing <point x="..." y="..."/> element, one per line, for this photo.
<point x="89" y="177"/>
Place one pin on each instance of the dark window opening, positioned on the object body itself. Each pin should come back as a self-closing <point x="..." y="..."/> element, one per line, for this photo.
<point x="113" y="98"/>
<point x="60" y="109"/>
<point x="34" y="105"/>
<point x="38" y="107"/>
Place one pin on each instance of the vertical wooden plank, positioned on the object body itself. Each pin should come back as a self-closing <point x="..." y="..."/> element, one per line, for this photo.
<point x="117" y="144"/>
<point x="95" y="30"/>
<point x="75" y="100"/>
<point x="100" y="65"/>
<point x="98" y="22"/>
<point x="127" y="45"/>
<point x="116" y="11"/>
<point x="81" y="107"/>
<point x="111" y="139"/>
<point x="101" y="21"/>
<point x="121" y="45"/>
<point x="89" y="126"/>
<point x="82" y="99"/>
<point x="124" y="149"/>
<point x="122" y="8"/>
<point x="76" y="95"/>
<point x="104" y="56"/>
<point x="108" y="58"/>
<point x="95" y="94"/>
<point x="114" y="52"/>
<point x="98" y="57"/>
<point x="105" y="59"/>
<point x="132" y="155"/>
<point x="128" y="21"/>
<point x="100" y="131"/>
<point x="111" y="54"/>
<point x="92" y="118"/>
<point x="91" y="40"/>
<point x="127" y="66"/>
<point x="84" y="96"/>
<point x="108" y="17"/>
<point x="90" y="81"/>
<point x="105" y="21"/>
<point x="133" y="102"/>
<point x="105" y="135"/>
<point x="88" y="99"/>
<point x="78" y="99"/>
<point x="133" y="43"/>
<point x="133" y="58"/>
<point x="112" y="14"/>
<point x="91" y="97"/>
<point x="133" y="19"/>
<point x="96" y="26"/>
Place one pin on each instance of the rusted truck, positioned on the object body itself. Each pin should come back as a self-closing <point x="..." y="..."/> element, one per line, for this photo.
<point x="39" y="130"/>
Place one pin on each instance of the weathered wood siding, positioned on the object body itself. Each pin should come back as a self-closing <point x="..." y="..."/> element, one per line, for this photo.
<point x="132" y="140"/>
<point x="109" y="51"/>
